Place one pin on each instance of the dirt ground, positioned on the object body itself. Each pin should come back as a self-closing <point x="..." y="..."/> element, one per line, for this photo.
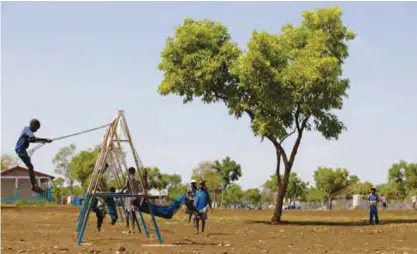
<point x="52" y="230"/>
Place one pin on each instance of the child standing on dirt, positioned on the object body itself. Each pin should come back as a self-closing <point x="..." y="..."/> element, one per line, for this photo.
<point x="373" y="200"/>
<point x="190" y="195"/>
<point x="25" y="138"/>
<point x="132" y="187"/>
<point x="202" y="199"/>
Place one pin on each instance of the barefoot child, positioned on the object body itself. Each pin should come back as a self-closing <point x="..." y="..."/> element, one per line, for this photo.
<point x="132" y="186"/>
<point x="201" y="201"/>
<point x="190" y="196"/>
<point x="99" y="208"/>
<point x="25" y="138"/>
<point x="100" y="211"/>
<point x="111" y="207"/>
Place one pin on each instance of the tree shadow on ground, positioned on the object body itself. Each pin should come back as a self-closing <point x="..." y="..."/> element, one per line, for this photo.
<point x="334" y="223"/>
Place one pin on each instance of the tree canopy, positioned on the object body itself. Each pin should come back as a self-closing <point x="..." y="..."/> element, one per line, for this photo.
<point x="62" y="161"/>
<point x="205" y="171"/>
<point x="82" y="165"/>
<point x="402" y="177"/>
<point x="297" y="188"/>
<point x="285" y="83"/>
<point x="330" y="180"/>
<point x="8" y="161"/>
<point x="229" y="171"/>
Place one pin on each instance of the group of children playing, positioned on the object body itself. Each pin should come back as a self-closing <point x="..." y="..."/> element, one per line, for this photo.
<point x="196" y="200"/>
<point x="196" y="203"/>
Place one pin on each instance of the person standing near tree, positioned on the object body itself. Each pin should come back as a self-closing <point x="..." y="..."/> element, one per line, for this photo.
<point x="373" y="200"/>
<point x="414" y="201"/>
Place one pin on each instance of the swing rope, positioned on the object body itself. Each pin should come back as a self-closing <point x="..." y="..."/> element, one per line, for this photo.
<point x="32" y="151"/>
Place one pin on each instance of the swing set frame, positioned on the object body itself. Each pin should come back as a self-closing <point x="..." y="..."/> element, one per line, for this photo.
<point x="109" y="157"/>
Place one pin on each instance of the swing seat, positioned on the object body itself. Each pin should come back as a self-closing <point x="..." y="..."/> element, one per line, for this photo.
<point x="166" y="212"/>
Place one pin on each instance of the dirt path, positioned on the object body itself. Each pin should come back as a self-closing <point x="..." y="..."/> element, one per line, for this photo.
<point x="52" y="230"/>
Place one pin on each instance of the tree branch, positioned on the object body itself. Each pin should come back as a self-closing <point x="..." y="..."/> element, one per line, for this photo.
<point x="279" y="147"/>
<point x="296" y="115"/>
<point x="288" y="135"/>
<point x="277" y="170"/>
<point x="297" y="143"/>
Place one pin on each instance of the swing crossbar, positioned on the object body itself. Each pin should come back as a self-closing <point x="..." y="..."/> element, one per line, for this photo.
<point x="123" y="195"/>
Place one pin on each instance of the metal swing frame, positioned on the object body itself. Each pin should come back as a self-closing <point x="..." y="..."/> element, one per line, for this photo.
<point x="117" y="132"/>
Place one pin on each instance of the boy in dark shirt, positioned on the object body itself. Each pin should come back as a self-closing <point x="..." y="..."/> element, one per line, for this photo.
<point x="25" y="138"/>
<point x="373" y="200"/>
<point x="190" y="195"/>
<point x="111" y="207"/>
<point x="100" y="210"/>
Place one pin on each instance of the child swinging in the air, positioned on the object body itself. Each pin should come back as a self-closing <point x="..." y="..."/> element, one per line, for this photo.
<point x="100" y="210"/>
<point x="25" y="138"/>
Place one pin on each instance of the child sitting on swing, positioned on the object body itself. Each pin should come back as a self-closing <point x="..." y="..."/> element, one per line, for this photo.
<point x="164" y="211"/>
<point x="99" y="208"/>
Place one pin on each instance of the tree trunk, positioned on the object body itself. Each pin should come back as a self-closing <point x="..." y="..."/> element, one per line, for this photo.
<point x="71" y="186"/>
<point x="330" y="203"/>
<point x="288" y="163"/>
<point x="280" y="201"/>
<point x="221" y="202"/>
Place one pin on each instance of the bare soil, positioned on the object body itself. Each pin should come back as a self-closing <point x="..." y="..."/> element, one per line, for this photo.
<point x="53" y="230"/>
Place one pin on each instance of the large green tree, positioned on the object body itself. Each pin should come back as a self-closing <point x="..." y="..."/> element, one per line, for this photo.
<point x="297" y="188"/>
<point x="82" y="165"/>
<point x="253" y="197"/>
<point x="315" y="195"/>
<point x="177" y="190"/>
<point x="160" y="181"/>
<point x="62" y="161"/>
<point x="330" y="181"/>
<point x="205" y="171"/>
<point x="402" y="177"/>
<point x="285" y="83"/>
<point x="234" y="194"/>
<point x="58" y="189"/>
<point x="229" y="171"/>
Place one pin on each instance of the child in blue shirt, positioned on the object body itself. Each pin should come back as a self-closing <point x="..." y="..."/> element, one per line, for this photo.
<point x="373" y="200"/>
<point x="202" y="199"/>
<point x="25" y="138"/>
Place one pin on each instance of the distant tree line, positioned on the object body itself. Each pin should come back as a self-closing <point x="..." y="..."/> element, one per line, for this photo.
<point x="75" y="168"/>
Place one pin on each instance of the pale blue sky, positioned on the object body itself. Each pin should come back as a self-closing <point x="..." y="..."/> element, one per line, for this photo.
<point x="73" y="65"/>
